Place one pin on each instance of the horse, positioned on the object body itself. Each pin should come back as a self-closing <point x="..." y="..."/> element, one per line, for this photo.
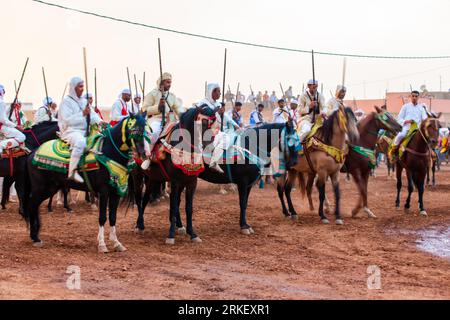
<point x="263" y="139"/>
<point x="332" y="134"/>
<point x="382" y="146"/>
<point x="358" y="162"/>
<point x="416" y="160"/>
<point x="15" y="170"/>
<point x="166" y="170"/>
<point x="117" y="144"/>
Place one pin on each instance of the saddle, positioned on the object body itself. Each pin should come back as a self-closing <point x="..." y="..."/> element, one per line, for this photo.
<point x="404" y="143"/>
<point x="313" y="143"/>
<point x="159" y="151"/>
<point x="13" y="153"/>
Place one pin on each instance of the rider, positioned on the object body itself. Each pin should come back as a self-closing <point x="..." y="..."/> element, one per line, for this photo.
<point x="9" y="129"/>
<point x="120" y="109"/>
<point x="411" y="112"/>
<point x="222" y="139"/>
<point x="17" y="116"/>
<point x="47" y="112"/>
<point x="338" y="100"/>
<point x="73" y="125"/>
<point x="311" y="101"/>
<point x="155" y="102"/>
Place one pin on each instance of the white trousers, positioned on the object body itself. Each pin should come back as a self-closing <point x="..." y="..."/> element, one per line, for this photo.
<point x="222" y="142"/>
<point x="77" y="142"/>
<point x="13" y="137"/>
<point x="402" y="134"/>
<point x="305" y="128"/>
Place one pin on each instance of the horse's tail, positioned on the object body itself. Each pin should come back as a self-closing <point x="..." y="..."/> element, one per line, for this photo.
<point x="301" y="179"/>
<point x="129" y="199"/>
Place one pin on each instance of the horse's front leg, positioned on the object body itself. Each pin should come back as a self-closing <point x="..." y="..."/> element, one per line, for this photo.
<point x="179" y="222"/>
<point x="399" y="185"/>
<point x="337" y="195"/>
<point x="309" y="188"/>
<point x="281" y="181"/>
<point x="365" y="184"/>
<point x="421" y="190"/>
<point x="244" y="192"/>
<point x="174" y="208"/>
<point x="288" y="189"/>
<point x="190" y="192"/>
<point x="410" y="191"/>
<point x="103" y="207"/>
<point x="114" y="200"/>
<point x="320" y="184"/>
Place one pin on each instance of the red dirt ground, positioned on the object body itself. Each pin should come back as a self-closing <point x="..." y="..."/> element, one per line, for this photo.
<point x="283" y="260"/>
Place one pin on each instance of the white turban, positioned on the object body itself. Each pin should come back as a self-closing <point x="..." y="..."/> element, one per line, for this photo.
<point x="165" y="76"/>
<point x="2" y="90"/>
<point x="339" y="89"/>
<point x="311" y="82"/>
<point x="124" y="91"/>
<point x="47" y="101"/>
<point x="294" y="102"/>
<point x="211" y="87"/>
<point x="138" y="95"/>
<point x="74" y="82"/>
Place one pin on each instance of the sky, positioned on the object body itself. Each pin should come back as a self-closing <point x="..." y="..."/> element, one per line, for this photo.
<point x="53" y="39"/>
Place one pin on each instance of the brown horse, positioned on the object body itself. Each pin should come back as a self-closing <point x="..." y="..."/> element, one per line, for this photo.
<point x="357" y="162"/>
<point x="382" y="146"/>
<point x="333" y="133"/>
<point x="416" y="160"/>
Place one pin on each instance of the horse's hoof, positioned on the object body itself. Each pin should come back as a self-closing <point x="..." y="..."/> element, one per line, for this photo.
<point x="354" y="214"/>
<point x="139" y="231"/>
<point x="370" y="214"/>
<point x="38" y="244"/>
<point x="182" y="231"/>
<point x="120" y="248"/>
<point x="423" y="213"/>
<point x="196" y="240"/>
<point x="325" y="221"/>
<point x="251" y="230"/>
<point x="102" y="248"/>
<point x="340" y="222"/>
<point x="286" y="216"/>
<point x="246" y="232"/>
<point x="170" y="241"/>
<point x="294" y="217"/>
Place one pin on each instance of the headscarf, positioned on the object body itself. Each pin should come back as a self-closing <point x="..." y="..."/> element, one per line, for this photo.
<point x="165" y="76"/>
<point x="2" y="90"/>
<point x="124" y="91"/>
<point x="339" y="89"/>
<point x="209" y="99"/>
<point x="46" y="102"/>
<point x="74" y="82"/>
<point x="313" y="82"/>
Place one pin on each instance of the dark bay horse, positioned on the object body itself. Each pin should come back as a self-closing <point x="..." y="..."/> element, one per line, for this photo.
<point x="184" y="137"/>
<point x="118" y="144"/>
<point x="260" y="140"/>
<point x="37" y="135"/>
<point x="416" y="160"/>
<point x="335" y="129"/>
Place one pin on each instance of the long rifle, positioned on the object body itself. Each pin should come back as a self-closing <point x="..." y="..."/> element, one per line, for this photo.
<point x="96" y="95"/>
<point x="223" y="88"/>
<point x="131" y="91"/>
<point x="136" y="88"/>
<point x="17" y="90"/>
<point x="314" y="82"/>
<point x="344" y="71"/>
<point x="46" y="95"/>
<point x="237" y="92"/>
<point x="88" y="116"/>
<point x="163" y="123"/>
<point x="64" y="92"/>
<point x="282" y="92"/>
<point x="143" y="86"/>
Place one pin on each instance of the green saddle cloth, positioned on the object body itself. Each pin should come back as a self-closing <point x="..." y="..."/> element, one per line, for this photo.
<point x="54" y="155"/>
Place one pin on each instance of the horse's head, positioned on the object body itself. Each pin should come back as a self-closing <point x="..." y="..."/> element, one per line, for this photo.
<point x="292" y="145"/>
<point x="348" y="123"/>
<point x="385" y="120"/>
<point x="134" y="130"/>
<point x="430" y="130"/>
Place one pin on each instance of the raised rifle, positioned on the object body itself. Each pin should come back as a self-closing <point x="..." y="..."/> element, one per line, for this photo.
<point x="88" y="116"/>
<point x="17" y="90"/>
<point x="161" y="85"/>
<point x="49" y="113"/>
<point x="223" y="88"/>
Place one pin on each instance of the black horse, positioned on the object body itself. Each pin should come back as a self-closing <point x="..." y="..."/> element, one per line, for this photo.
<point x="118" y="145"/>
<point x="37" y="135"/>
<point x="260" y="141"/>
<point x="198" y="118"/>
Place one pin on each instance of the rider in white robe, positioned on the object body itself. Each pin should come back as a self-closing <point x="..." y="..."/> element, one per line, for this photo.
<point x="9" y="129"/>
<point x="47" y="112"/>
<point x="73" y="125"/>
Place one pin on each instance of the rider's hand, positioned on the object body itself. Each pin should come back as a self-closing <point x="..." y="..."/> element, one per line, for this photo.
<point x="313" y="104"/>
<point x="87" y="111"/>
<point x="162" y="105"/>
<point x="407" y="122"/>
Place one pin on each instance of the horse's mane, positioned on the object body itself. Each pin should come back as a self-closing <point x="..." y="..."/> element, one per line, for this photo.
<point x="187" y="118"/>
<point x="326" y="131"/>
